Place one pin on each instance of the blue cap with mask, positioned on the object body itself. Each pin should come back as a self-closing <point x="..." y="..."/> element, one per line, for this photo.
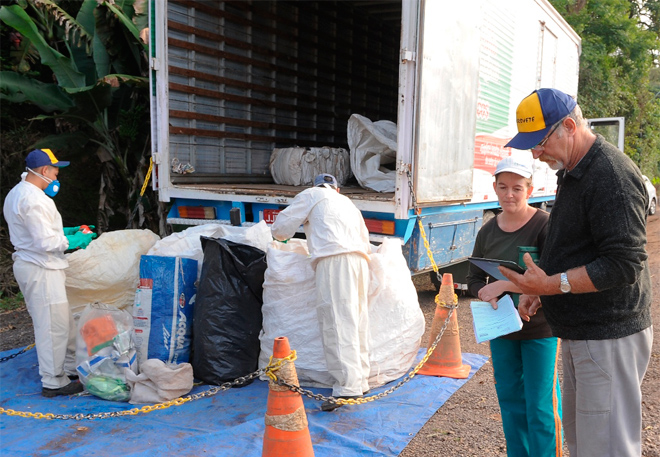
<point x="40" y="158"/>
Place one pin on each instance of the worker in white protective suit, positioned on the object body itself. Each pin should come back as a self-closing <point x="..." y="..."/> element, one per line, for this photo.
<point x="338" y="242"/>
<point x="39" y="239"/>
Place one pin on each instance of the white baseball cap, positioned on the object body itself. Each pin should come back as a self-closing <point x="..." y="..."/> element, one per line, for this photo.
<point x="517" y="166"/>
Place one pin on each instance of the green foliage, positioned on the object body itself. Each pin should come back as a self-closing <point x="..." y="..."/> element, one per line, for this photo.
<point x="18" y="88"/>
<point x="63" y="68"/>
<point x="618" y="74"/>
<point x="93" y="50"/>
<point x="11" y="302"/>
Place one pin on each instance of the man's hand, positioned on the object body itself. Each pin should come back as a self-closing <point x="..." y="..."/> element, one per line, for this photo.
<point x="533" y="282"/>
<point x="528" y="305"/>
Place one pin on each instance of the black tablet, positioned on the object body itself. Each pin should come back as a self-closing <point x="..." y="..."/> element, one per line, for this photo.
<point x="490" y="266"/>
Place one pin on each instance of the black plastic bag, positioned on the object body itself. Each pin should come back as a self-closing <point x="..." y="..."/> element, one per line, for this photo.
<point x="227" y="314"/>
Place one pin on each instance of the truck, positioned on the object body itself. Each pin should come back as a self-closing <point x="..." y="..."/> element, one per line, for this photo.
<point x="233" y="80"/>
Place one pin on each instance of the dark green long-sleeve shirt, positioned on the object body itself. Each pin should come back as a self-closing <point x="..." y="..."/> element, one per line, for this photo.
<point x="599" y="220"/>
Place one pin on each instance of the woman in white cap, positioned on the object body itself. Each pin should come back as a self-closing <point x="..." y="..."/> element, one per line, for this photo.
<point x="524" y="362"/>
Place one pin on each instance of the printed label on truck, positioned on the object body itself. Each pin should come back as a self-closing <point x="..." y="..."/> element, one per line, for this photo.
<point x="270" y="215"/>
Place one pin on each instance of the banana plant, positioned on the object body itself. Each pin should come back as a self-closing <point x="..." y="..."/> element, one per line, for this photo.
<point x="99" y="68"/>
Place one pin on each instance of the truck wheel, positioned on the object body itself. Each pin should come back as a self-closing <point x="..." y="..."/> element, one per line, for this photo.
<point x="652" y="207"/>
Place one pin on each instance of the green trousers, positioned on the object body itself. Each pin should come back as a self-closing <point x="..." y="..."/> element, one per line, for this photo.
<point x="527" y="385"/>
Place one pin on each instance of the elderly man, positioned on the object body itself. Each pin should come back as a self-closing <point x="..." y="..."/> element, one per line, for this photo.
<point x="593" y="277"/>
<point x="35" y="230"/>
<point x="338" y="242"/>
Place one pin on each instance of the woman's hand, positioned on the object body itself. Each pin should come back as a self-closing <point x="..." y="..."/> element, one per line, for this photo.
<point x="492" y="291"/>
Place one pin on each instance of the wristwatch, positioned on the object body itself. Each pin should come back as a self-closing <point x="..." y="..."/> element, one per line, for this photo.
<point x="564" y="285"/>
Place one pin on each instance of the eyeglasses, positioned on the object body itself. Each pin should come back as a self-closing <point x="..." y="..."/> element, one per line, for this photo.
<point x="545" y="140"/>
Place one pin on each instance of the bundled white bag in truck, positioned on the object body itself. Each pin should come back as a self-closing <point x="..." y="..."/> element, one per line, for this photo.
<point x="396" y="322"/>
<point x="298" y="166"/>
<point x="373" y="145"/>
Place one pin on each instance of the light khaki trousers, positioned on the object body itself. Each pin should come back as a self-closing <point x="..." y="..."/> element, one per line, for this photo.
<point x="602" y="397"/>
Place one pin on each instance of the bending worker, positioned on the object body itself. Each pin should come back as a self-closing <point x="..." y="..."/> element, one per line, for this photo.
<point x="593" y="277"/>
<point x="338" y="242"/>
<point x="35" y="230"/>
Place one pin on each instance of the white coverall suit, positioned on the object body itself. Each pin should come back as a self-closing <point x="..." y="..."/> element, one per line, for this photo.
<point x="35" y="230"/>
<point x="338" y="242"/>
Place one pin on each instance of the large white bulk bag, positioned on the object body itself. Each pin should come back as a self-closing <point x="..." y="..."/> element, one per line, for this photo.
<point x="108" y="270"/>
<point x="396" y="322"/>
<point x="289" y="310"/>
<point x="299" y="166"/>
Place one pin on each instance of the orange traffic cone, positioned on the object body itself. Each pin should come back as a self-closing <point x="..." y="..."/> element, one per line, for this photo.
<point x="446" y="359"/>
<point x="286" y="433"/>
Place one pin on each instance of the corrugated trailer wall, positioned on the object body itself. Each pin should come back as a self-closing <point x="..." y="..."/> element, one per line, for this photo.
<point x="248" y="76"/>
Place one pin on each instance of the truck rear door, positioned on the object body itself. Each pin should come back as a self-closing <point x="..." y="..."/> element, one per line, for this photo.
<point x="447" y="88"/>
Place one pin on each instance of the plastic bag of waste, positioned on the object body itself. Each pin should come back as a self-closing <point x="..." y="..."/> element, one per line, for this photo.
<point x="227" y="314"/>
<point x="105" y="348"/>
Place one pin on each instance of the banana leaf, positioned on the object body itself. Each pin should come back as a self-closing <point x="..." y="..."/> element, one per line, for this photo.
<point x="128" y="23"/>
<point x="100" y="55"/>
<point x="63" y="68"/>
<point x="18" y="88"/>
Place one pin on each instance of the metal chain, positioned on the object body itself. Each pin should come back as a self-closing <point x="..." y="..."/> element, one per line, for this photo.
<point x="418" y="214"/>
<point x="22" y="351"/>
<point x="363" y="400"/>
<point x="149" y="408"/>
<point x="145" y="409"/>
<point x="144" y="187"/>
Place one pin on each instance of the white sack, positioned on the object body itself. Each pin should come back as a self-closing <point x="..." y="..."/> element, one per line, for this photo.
<point x="289" y="310"/>
<point x="108" y="270"/>
<point x="159" y="382"/>
<point x="299" y="166"/>
<point x="187" y="243"/>
<point x="396" y="322"/>
<point x="372" y="145"/>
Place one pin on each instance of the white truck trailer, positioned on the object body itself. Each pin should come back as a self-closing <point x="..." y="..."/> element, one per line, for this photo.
<point x="232" y="80"/>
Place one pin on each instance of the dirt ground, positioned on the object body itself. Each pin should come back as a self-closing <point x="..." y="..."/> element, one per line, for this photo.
<point x="469" y="423"/>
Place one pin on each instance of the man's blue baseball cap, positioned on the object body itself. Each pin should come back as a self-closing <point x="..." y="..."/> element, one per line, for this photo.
<point x="325" y="178"/>
<point x="536" y="115"/>
<point x="40" y="157"/>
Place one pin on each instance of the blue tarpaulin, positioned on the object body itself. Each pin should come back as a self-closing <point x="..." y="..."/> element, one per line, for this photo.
<point x="230" y="423"/>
